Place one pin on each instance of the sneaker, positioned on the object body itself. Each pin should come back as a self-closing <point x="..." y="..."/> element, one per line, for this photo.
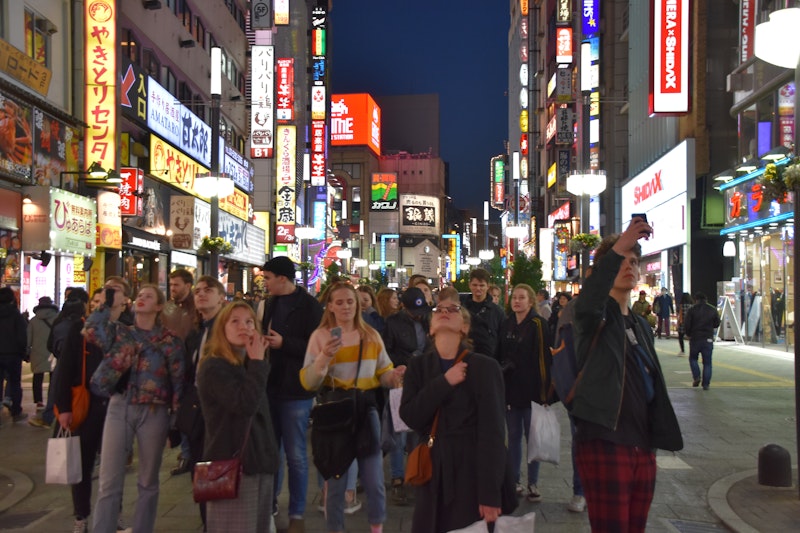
<point x="520" y="489"/>
<point x="696" y="382"/>
<point x="19" y="417"/>
<point x="39" y="406"/>
<point x="321" y="505"/>
<point x="80" y="526"/>
<point x="399" y="495"/>
<point x="38" y="421"/>
<point x="533" y="494"/>
<point x="577" y="504"/>
<point x="352" y="506"/>
<point x="705" y="387"/>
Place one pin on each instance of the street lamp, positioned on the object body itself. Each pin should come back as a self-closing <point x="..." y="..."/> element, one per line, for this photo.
<point x="97" y="174"/>
<point x="486" y="254"/>
<point x="216" y="94"/>
<point x="777" y="43"/>
<point x="586" y="183"/>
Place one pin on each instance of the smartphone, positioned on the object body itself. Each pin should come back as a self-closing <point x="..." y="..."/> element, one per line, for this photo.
<point x="643" y="216"/>
<point x="336" y="333"/>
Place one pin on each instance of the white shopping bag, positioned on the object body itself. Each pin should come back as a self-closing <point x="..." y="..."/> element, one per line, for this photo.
<point x="395" y="396"/>
<point x="544" y="440"/>
<point x="63" y="465"/>
<point x="477" y="527"/>
<point x="515" y="524"/>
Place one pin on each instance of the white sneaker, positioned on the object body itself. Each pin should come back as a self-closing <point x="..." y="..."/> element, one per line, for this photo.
<point x="577" y="504"/>
<point x="520" y="489"/>
<point x="352" y="507"/>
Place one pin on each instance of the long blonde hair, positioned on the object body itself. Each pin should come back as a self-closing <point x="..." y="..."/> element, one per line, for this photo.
<point x="217" y="344"/>
<point x="329" y="319"/>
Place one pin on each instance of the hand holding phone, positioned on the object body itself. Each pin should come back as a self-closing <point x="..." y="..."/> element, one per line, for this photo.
<point x="643" y="216"/>
<point x="336" y="333"/>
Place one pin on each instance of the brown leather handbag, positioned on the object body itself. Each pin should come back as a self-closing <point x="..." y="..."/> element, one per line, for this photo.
<point x="419" y="468"/>
<point x="219" y="480"/>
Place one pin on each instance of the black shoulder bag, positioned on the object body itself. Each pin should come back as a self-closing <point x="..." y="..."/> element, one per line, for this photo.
<point x="335" y="422"/>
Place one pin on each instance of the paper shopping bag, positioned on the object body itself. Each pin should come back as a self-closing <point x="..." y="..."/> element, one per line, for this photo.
<point x="63" y="465"/>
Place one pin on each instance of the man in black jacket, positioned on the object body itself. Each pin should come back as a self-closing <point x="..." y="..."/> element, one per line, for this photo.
<point x="14" y="329"/>
<point x="700" y="323"/>
<point x="290" y="316"/>
<point x="486" y="315"/>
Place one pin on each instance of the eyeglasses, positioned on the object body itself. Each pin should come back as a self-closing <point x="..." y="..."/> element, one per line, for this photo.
<point x="447" y="310"/>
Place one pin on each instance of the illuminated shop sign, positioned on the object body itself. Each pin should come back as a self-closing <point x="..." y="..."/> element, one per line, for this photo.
<point x="133" y="92"/>
<point x="590" y="11"/>
<point x="355" y="120"/>
<point x="262" y="109"/>
<point x="670" y="81"/>
<point x="24" y="69"/>
<point x="109" y="221"/>
<point x="130" y="191"/>
<point x="72" y="222"/>
<point x="173" y="121"/>
<point x="563" y="45"/>
<point x="419" y="214"/>
<point x="384" y="191"/>
<point x="239" y="169"/>
<point x="563" y="11"/>
<point x="285" y="89"/>
<point x="498" y="171"/>
<point x="319" y="151"/>
<point x="170" y="165"/>
<point x="285" y="184"/>
<point x="281" y="9"/>
<point x="100" y="67"/>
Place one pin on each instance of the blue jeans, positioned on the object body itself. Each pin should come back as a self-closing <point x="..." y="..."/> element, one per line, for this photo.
<point x="397" y="457"/>
<point x="290" y="421"/>
<point x="370" y="468"/>
<point x="518" y="421"/>
<point x="704" y="348"/>
<point x="149" y="423"/>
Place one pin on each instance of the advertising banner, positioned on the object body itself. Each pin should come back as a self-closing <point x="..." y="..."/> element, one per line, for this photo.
<point x="133" y="92"/>
<point x="50" y="148"/>
<point x="100" y="66"/>
<point x="247" y="240"/>
<point x="419" y="214"/>
<point x="355" y="120"/>
<point x="319" y="151"/>
<point x="173" y="121"/>
<point x="670" y="79"/>
<point x="170" y="165"/>
<point x="16" y="155"/>
<point x="384" y="191"/>
<point x="72" y="222"/>
<point x="237" y="204"/>
<point x="109" y="222"/>
<point x="285" y="184"/>
<point x="190" y="221"/>
<point x="262" y="109"/>
<point x="285" y="89"/>
<point x="24" y="69"/>
<point x="130" y="191"/>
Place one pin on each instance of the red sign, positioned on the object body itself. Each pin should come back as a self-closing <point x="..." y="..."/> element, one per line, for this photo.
<point x="563" y="45"/>
<point x="318" y="152"/>
<point x="285" y="89"/>
<point x="355" y="120"/>
<point x="130" y="192"/>
<point x="746" y="37"/>
<point x="670" y="56"/>
<point x="562" y="213"/>
<point x="523" y="144"/>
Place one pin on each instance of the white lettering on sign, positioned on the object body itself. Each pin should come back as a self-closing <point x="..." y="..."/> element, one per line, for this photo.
<point x="145" y="243"/>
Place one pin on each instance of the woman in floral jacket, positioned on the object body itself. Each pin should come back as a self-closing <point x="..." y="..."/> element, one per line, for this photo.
<point x="150" y="361"/>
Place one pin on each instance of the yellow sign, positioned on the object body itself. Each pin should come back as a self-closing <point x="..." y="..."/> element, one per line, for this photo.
<point x="100" y="67"/>
<point x="23" y="68"/>
<point x="551" y="175"/>
<point x="237" y="204"/>
<point x="170" y="165"/>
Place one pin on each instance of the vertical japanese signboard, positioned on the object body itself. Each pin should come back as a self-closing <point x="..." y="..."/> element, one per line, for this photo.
<point x="285" y="89"/>
<point x="262" y="110"/>
<point x="101" y="106"/>
<point x="285" y="186"/>
<point x="130" y="192"/>
<point x="670" y="79"/>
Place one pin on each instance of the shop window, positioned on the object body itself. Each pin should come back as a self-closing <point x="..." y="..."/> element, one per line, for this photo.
<point x="37" y="37"/>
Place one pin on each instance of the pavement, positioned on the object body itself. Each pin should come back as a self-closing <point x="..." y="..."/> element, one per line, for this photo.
<point x="710" y="485"/>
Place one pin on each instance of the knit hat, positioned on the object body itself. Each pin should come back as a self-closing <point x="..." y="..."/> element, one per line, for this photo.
<point x="280" y="266"/>
<point x="414" y="302"/>
<point x="7" y="295"/>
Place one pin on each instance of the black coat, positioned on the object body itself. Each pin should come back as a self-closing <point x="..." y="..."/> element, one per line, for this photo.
<point x="400" y="337"/>
<point x="701" y="321"/>
<point x="70" y="367"/>
<point x="14" y="331"/>
<point x="485" y="327"/>
<point x="469" y="454"/>
<point x="526" y="359"/>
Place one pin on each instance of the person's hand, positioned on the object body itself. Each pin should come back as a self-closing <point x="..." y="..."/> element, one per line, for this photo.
<point x="257" y="346"/>
<point x="456" y="374"/>
<point x="65" y="419"/>
<point x="397" y="376"/>
<point x="636" y="230"/>
<point x="489" y="514"/>
<point x="274" y="339"/>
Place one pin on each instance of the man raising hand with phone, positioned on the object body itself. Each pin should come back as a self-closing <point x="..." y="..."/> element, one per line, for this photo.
<point x="290" y="316"/>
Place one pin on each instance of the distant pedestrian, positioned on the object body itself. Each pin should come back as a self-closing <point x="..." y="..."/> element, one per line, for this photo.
<point x="486" y="316"/>
<point x="621" y="407"/>
<point x="641" y="306"/>
<point x="685" y="304"/>
<point x="543" y="304"/>
<point x="38" y="330"/>
<point x="14" y="332"/>
<point x="778" y="307"/>
<point x="497" y="295"/>
<point x="701" y="321"/>
<point x="663" y="308"/>
<point x="388" y="302"/>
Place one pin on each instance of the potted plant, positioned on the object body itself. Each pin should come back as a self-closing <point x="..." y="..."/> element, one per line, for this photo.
<point x="583" y="242"/>
<point x="215" y="245"/>
<point x="776" y="182"/>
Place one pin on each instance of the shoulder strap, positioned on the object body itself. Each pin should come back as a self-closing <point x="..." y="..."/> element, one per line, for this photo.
<point x="542" y="368"/>
<point x="49" y="324"/>
<point x="435" y="425"/>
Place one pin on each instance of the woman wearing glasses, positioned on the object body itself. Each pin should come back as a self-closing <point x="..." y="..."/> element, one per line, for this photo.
<point x="468" y="453"/>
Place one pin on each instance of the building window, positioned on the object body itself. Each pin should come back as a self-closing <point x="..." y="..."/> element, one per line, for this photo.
<point x="200" y="33"/>
<point x="37" y="37"/>
<point x="130" y="48"/>
<point x="187" y="18"/>
<point x="151" y="65"/>
<point x="171" y="82"/>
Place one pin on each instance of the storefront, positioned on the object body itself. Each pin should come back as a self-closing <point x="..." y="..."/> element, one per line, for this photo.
<point x="761" y="230"/>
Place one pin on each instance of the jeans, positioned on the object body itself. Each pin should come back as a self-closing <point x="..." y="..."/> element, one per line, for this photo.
<point x="370" y="468"/>
<point x="290" y="421"/>
<point x="11" y="365"/>
<point x="701" y="347"/>
<point x="149" y="423"/>
<point x="397" y="457"/>
<point x="518" y="421"/>
<point x="663" y="321"/>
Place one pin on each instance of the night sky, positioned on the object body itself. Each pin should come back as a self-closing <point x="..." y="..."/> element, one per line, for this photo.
<point x="456" y="49"/>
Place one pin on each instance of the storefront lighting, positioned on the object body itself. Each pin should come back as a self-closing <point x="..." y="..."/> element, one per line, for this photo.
<point x="360" y="263"/>
<point x="96" y="171"/>
<point x="486" y="255"/>
<point x="210" y="185"/>
<point x="748" y="166"/>
<point x="776" y="154"/>
<point x="27" y="199"/>
<point x="374" y="266"/>
<point x="729" y="249"/>
<point x="776" y="40"/>
<point x="586" y="183"/>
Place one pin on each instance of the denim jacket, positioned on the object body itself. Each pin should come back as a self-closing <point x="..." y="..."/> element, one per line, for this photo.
<point x="155" y="358"/>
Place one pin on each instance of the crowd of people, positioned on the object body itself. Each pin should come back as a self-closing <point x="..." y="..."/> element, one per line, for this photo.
<point x="221" y="379"/>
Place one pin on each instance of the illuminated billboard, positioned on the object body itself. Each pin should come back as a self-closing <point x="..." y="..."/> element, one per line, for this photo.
<point x="285" y="89"/>
<point x="384" y="191"/>
<point x="262" y="109"/>
<point x="355" y="120"/>
<point x="100" y="67"/>
<point x="670" y="80"/>
<point x="419" y="214"/>
<point x="285" y="200"/>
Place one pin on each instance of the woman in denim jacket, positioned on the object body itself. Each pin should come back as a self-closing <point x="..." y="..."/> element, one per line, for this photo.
<point x="151" y="363"/>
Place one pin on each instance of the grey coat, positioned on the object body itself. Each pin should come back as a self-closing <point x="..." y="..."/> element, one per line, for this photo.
<point x="38" y="332"/>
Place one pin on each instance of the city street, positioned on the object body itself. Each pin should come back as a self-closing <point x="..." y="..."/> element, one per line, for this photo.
<point x="750" y="403"/>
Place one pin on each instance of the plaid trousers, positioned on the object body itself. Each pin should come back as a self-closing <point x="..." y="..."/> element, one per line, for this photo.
<point x="618" y="483"/>
<point x="251" y="512"/>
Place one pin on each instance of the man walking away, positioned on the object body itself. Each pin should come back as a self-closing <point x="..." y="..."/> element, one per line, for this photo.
<point x="701" y="321"/>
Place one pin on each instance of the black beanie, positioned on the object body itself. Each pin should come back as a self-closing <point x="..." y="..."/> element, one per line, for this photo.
<point x="280" y="266"/>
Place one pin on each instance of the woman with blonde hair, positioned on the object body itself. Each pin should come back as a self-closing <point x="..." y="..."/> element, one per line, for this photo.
<point x="232" y="386"/>
<point x="388" y="302"/>
<point x="149" y="360"/>
<point x="463" y="390"/>
<point x="344" y="352"/>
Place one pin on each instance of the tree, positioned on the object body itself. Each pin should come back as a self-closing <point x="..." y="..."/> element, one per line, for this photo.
<point x="529" y="271"/>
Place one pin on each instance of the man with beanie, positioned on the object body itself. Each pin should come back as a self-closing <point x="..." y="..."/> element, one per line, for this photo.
<point x="290" y="316"/>
<point x="14" y="329"/>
